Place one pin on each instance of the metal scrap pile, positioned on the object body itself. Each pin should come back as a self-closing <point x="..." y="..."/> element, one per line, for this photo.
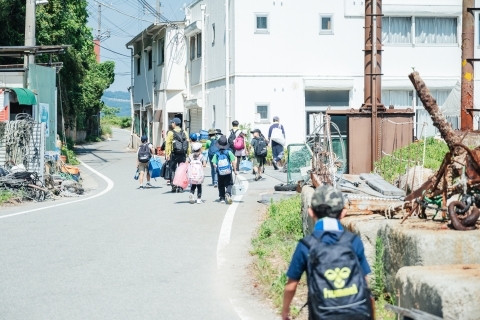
<point x="24" y="185"/>
<point x="459" y="174"/>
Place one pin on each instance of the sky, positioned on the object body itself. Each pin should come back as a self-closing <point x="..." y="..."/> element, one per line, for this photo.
<point x="122" y="26"/>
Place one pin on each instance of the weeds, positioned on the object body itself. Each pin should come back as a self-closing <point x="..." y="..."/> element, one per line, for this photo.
<point x="274" y="244"/>
<point x="106" y="129"/>
<point x="70" y="154"/>
<point x="377" y="284"/>
<point x="5" y="195"/>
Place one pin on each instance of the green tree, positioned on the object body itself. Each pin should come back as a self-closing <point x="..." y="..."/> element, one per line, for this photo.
<point x="110" y="111"/>
<point x="82" y="80"/>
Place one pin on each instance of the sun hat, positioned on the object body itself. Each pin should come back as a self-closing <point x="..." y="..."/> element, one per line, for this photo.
<point x="197" y="146"/>
<point x="256" y="130"/>
<point x="212" y="132"/>
<point x="222" y="143"/>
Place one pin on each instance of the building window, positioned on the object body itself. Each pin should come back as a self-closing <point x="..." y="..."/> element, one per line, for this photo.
<point x="139" y="61"/>
<point x="397" y="98"/>
<point x="213" y="34"/>
<point x="427" y="30"/>
<point x="261" y="23"/>
<point x="439" y="95"/>
<point x="326" y="24"/>
<point x="436" y="30"/>
<point x="161" y="51"/>
<point x="397" y="30"/>
<point x="192" y="48"/>
<point x="199" y="45"/>
<point x="150" y="60"/>
<point x="262" y="109"/>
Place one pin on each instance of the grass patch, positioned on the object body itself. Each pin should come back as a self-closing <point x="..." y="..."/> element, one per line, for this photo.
<point x="391" y="167"/>
<point x="377" y="285"/>
<point x="6" y="195"/>
<point x="273" y="247"/>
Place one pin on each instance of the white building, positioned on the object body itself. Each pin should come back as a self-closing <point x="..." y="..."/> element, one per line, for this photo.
<point x="159" y="62"/>
<point x="294" y="58"/>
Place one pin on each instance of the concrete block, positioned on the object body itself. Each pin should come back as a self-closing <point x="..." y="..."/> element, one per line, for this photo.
<point x="425" y="243"/>
<point x="414" y="243"/>
<point x="448" y="291"/>
<point x="366" y="227"/>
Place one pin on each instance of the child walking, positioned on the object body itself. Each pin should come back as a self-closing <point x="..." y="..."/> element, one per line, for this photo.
<point x="225" y="163"/>
<point x="196" y="163"/>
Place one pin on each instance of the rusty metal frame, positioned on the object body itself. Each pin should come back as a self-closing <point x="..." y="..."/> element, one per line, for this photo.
<point x="468" y="53"/>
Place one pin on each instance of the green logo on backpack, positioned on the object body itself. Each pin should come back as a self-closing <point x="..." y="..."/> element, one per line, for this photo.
<point x="338" y="276"/>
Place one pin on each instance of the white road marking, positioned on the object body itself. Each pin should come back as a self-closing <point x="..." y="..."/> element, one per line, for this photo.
<point x="224" y="240"/>
<point x="226" y="230"/>
<point x="109" y="187"/>
<point x="242" y="313"/>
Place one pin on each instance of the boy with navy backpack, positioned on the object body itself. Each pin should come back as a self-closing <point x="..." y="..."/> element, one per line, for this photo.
<point x="224" y="161"/>
<point x="335" y="263"/>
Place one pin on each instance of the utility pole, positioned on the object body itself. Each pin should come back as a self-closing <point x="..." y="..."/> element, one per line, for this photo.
<point x="30" y="29"/>
<point x="157" y="16"/>
<point x="99" y="27"/>
<point x="468" y="36"/>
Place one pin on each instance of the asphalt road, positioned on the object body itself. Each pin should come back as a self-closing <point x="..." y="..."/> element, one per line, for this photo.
<point x="129" y="253"/>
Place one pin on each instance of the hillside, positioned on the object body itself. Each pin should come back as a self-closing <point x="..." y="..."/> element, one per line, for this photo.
<point x="118" y="99"/>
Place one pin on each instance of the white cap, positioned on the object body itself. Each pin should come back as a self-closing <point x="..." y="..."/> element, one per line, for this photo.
<point x="196" y="146"/>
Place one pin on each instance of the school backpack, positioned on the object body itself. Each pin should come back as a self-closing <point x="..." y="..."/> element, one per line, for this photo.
<point x="223" y="163"/>
<point x="195" y="170"/>
<point x="239" y="143"/>
<point x="180" y="143"/>
<point x="231" y="138"/>
<point x="144" y="154"/>
<point x="337" y="288"/>
<point x="261" y="147"/>
<point x="213" y="149"/>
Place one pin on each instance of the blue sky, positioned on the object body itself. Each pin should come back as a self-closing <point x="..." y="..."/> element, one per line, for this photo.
<point x="122" y="28"/>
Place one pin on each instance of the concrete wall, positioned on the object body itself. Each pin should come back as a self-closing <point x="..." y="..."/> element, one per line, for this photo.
<point x="294" y="54"/>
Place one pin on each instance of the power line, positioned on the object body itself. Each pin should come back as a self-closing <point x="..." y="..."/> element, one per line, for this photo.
<point x="126" y="14"/>
<point x="120" y="54"/>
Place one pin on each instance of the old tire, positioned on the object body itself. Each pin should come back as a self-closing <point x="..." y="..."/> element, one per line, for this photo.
<point x="285" y="187"/>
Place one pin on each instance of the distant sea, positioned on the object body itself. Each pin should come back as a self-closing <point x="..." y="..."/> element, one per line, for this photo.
<point x="118" y="99"/>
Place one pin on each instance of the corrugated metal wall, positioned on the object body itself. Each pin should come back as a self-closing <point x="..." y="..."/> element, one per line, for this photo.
<point x="42" y="81"/>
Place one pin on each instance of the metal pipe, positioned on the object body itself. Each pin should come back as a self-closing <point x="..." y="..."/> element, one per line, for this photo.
<point x="227" y="64"/>
<point x="204" y="104"/>
<point x="468" y="36"/>
<point x="374" y="140"/>
<point x="368" y="54"/>
<point x="132" y="59"/>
